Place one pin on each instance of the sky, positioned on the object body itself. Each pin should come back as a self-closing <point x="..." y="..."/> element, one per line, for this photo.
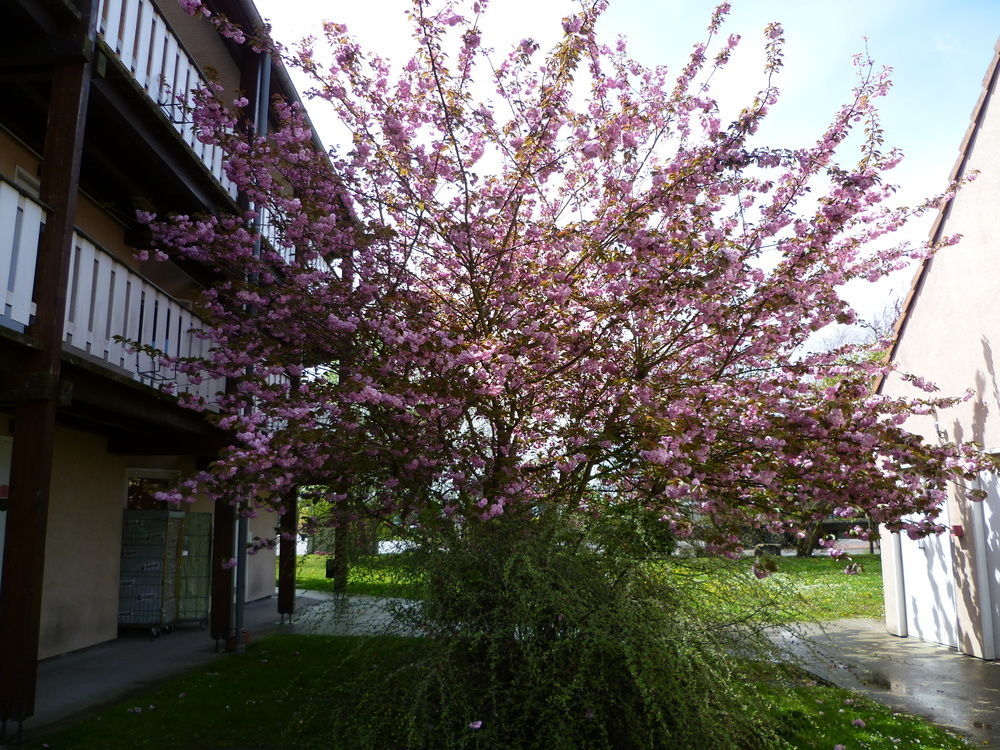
<point x="938" y="49"/>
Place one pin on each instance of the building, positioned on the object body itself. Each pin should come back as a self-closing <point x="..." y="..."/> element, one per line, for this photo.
<point x="89" y="133"/>
<point x="946" y="589"/>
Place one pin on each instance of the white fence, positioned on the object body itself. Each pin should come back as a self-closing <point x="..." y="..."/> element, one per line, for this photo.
<point x="21" y="221"/>
<point x="106" y="299"/>
<point x="142" y="40"/>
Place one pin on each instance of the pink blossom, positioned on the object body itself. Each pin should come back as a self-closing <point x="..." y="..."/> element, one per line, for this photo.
<point x="485" y="304"/>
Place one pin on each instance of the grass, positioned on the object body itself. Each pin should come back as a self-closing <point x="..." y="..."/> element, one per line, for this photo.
<point x="824" y="592"/>
<point x="264" y="700"/>
<point x="812" y="588"/>
<point x="282" y="693"/>
<point x="394" y="575"/>
<point x="820" y="718"/>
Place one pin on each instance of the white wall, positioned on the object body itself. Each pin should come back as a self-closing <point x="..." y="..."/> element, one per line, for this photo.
<point x="952" y="338"/>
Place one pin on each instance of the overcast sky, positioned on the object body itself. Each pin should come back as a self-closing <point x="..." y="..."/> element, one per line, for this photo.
<point x="938" y="49"/>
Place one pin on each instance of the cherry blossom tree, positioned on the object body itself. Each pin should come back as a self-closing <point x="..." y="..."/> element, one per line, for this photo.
<point x="554" y="280"/>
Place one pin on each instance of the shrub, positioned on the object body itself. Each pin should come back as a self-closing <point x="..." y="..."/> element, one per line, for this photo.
<point x="538" y="636"/>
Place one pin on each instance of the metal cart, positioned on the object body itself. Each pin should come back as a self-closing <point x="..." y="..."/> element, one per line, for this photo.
<point x="195" y="569"/>
<point x="165" y="570"/>
<point x="147" y="588"/>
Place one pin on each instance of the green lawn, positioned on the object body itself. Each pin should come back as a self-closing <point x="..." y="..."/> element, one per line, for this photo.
<point x="282" y="693"/>
<point x="825" y="592"/>
<point x="279" y="693"/>
<point x="800" y="590"/>
<point x="271" y="698"/>
<point x="374" y="575"/>
<point x="820" y="717"/>
<point x="809" y="588"/>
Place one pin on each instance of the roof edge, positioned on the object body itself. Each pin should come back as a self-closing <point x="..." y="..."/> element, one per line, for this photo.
<point x="989" y="86"/>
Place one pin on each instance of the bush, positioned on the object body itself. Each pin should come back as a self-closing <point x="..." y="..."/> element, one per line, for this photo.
<point x="539" y="637"/>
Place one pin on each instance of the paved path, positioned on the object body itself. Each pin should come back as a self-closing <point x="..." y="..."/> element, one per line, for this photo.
<point x="952" y="690"/>
<point x="359" y="615"/>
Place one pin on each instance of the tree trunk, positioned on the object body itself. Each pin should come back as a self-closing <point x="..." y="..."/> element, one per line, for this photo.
<point x="341" y="554"/>
<point x="804" y="547"/>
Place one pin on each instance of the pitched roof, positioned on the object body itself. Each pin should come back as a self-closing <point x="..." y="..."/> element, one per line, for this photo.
<point x="957" y="172"/>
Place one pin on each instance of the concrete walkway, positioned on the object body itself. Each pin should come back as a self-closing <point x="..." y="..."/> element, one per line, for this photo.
<point x="950" y="689"/>
<point x="74" y="684"/>
<point x="359" y="615"/>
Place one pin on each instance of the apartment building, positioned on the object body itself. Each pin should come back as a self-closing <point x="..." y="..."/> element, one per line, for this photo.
<point x="90" y="132"/>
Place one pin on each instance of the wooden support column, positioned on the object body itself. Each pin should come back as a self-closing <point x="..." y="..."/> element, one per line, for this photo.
<point x="35" y="409"/>
<point x="288" y="525"/>
<point x="223" y="550"/>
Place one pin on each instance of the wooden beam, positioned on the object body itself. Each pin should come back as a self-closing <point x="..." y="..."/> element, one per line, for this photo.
<point x="50" y="15"/>
<point x="105" y="391"/>
<point x="288" y="526"/>
<point x="223" y="550"/>
<point x="35" y="413"/>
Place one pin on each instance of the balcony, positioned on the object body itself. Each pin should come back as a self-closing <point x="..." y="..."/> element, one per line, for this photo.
<point x="106" y="302"/>
<point x="141" y="39"/>
<point x="21" y="222"/>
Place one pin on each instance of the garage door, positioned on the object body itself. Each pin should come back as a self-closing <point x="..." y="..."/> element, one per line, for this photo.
<point x="929" y="587"/>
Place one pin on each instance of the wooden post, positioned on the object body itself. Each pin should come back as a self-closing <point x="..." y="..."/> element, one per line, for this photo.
<point x="223" y="544"/>
<point x="35" y="409"/>
<point x="288" y="525"/>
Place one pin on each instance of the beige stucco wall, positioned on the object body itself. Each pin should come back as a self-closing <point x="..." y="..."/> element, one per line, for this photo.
<point x="13" y="155"/>
<point x="952" y="338"/>
<point x="82" y="551"/>
<point x="952" y="335"/>
<point x="82" y="563"/>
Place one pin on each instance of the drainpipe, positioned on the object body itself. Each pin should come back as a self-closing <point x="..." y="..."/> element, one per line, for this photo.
<point x="242" y="526"/>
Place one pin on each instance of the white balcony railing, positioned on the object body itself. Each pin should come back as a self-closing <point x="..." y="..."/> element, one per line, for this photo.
<point x="140" y="37"/>
<point x="21" y="221"/>
<point x="106" y="299"/>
